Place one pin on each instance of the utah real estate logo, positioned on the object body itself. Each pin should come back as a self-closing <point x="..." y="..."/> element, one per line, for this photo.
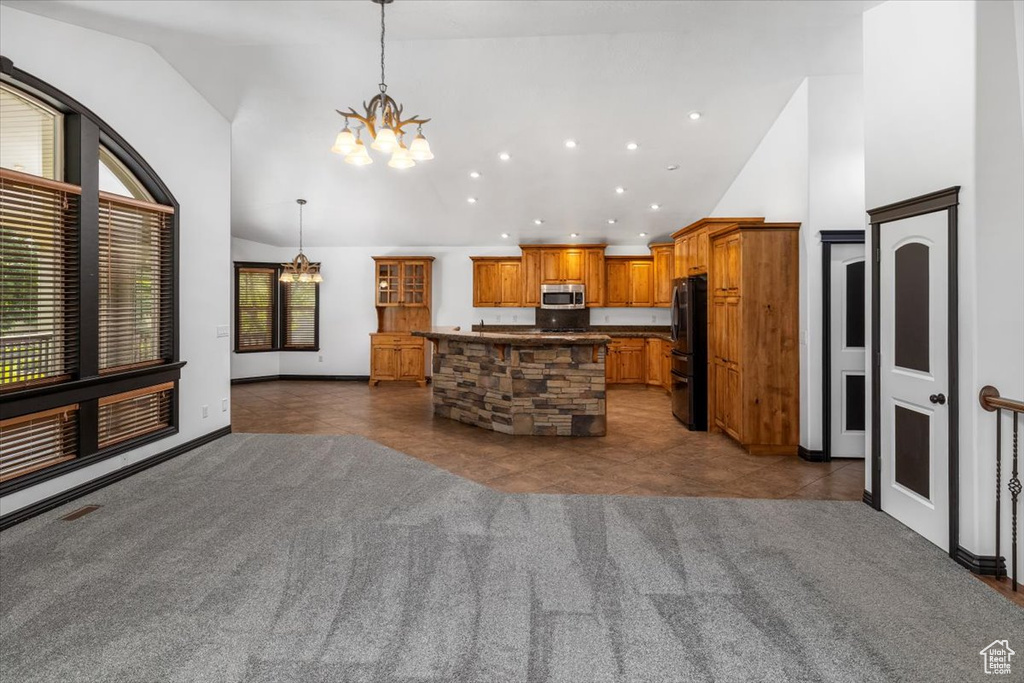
<point x="996" y="657"/>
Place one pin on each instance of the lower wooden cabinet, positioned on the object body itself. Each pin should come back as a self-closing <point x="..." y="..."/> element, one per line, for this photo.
<point x="624" y="363"/>
<point x="397" y="357"/>
<point x="639" y="361"/>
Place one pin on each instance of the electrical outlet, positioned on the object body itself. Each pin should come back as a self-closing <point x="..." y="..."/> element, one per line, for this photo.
<point x="222" y="331"/>
<point x="206" y="411"/>
<point x="606" y="318"/>
<point x="223" y="405"/>
<point x="515" y="318"/>
<point x="320" y="359"/>
<point x="497" y="318"/>
<point x="654" y="318"/>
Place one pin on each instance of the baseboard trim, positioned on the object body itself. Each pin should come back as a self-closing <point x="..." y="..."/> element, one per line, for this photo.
<point x="302" y="378"/>
<point x="868" y="498"/>
<point x="88" y="487"/>
<point x="811" y="456"/>
<point x="985" y="565"/>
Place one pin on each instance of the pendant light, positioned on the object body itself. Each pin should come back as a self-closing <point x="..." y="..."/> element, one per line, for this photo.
<point x="300" y="269"/>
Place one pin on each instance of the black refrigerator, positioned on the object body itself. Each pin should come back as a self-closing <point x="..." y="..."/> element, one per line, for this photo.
<point x="690" y="351"/>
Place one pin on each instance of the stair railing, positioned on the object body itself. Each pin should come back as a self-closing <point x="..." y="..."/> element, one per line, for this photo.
<point x="992" y="401"/>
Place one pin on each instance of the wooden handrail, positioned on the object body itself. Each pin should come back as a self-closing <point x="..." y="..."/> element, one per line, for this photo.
<point x="991" y="400"/>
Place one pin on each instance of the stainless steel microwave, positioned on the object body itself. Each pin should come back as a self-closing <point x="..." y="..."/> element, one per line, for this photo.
<point x="562" y="296"/>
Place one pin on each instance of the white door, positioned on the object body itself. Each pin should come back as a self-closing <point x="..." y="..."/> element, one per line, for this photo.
<point x="915" y="374"/>
<point x="849" y="399"/>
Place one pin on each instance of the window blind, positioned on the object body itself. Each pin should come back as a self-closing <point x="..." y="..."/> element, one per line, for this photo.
<point x="134" y="414"/>
<point x="34" y="442"/>
<point x="136" y="289"/>
<point x="299" y="301"/>
<point x="254" y="293"/>
<point x="38" y="280"/>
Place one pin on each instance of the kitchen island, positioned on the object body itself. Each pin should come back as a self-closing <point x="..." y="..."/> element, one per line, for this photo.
<point x="530" y="384"/>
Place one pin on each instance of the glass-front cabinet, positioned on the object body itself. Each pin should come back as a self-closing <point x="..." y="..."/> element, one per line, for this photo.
<point x="403" y="282"/>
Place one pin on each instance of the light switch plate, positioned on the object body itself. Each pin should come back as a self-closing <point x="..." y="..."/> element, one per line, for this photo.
<point x="222" y="331"/>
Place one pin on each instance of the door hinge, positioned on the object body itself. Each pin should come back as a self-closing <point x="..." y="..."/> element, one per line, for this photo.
<point x="878" y="255"/>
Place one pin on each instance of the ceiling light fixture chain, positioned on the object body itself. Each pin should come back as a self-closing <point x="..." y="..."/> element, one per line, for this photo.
<point x="382" y="117"/>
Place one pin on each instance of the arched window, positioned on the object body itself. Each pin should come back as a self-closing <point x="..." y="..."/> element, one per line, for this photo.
<point x="31" y="135"/>
<point x="88" y="294"/>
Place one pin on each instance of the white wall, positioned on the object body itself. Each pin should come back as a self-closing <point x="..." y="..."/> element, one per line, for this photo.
<point x="347" y="314"/>
<point x="808" y="168"/>
<point x="188" y="144"/>
<point x="942" y="108"/>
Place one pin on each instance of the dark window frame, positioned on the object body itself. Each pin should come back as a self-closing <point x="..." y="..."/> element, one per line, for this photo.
<point x="84" y="132"/>
<point x="279" y="313"/>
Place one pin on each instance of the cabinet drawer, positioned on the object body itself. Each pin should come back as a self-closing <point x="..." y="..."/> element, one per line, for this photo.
<point x="392" y="339"/>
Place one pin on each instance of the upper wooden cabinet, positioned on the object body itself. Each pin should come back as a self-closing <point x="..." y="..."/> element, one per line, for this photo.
<point x="497" y="282"/>
<point x="753" y="321"/>
<point x="629" y="281"/>
<point x="558" y="264"/>
<point x="691" y="253"/>
<point x="663" y="273"/>
<point x="402" y="281"/>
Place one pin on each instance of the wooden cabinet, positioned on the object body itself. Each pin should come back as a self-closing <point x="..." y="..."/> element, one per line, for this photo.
<point x="402" y="297"/>
<point x="530" y="276"/>
<point x="629" y="281"/>
<point x="625" y="361"/>
<point x="561" y="264"/>
<point x="654" y="362"/>
<point x="497" y="282"/>
<point x="594" y="276"/>
<point x="754" y="334"/>
<point x="663" y="255"/>
<point x="403" y="282"/>
<point x="397" y="357"/>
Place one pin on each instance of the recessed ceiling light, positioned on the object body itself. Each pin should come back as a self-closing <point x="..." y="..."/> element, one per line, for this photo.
<point x="655" y="207"/>
<point x="643" y="234"/>
<point x="613" y="221"/>
<point x="619" y="190"/>
<point x="672" y="167"/>
<point x="538" y="221"/>
<point x="694" y="115"/>
<point x="471" y="200"/>
<point x="504" y="235"/>
<point x="504" y="156"/>
<point x="571" y="144"/>
<point x="632" y="146"/>
<point x="474" y="174"/>
<point x="575" y="234"/>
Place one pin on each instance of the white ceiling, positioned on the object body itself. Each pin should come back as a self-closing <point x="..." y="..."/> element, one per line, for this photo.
<point x="494" y="75"/>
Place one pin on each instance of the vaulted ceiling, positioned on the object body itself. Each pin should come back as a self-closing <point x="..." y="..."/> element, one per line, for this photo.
<point x="495" y="76"/>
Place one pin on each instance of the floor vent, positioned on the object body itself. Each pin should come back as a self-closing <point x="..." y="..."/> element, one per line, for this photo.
<point x="80" y="512"/>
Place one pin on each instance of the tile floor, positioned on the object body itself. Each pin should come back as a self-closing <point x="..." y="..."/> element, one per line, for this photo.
<point x="646" y="452"/>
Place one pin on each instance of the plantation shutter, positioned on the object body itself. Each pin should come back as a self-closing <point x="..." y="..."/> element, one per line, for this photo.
<point x="134" y="414"/>
<point x="37" y="441"/>
<point x="254" y="292"/>
<point x="38" y="280"/>
<point x="136" y="266"/>
<point x="300" y="314"/>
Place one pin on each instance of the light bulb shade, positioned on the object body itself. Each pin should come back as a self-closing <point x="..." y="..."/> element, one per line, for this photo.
<point x="400" y="158"/>
<point x="344" y="143"/>
<point x="305" y="277"/>
<point x="317" y="277"/>
<point x="358" y="156"/>
<point x="287" y="277"/>
<point x="385" y="141"/>
<point x="420" y="149"/>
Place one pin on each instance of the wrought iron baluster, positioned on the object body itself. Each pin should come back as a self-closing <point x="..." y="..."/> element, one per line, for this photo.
<point x="999" y="479"/>
<point x="1015" y="488"/>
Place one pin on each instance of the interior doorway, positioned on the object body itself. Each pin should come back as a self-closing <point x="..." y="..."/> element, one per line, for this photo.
<point x="914" y="373"/>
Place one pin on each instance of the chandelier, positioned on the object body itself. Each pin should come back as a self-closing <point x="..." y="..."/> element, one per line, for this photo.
<point x="382" y="117"/>
<point x="300" y="269"/>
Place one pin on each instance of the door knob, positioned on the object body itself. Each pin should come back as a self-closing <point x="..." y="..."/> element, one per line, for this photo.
<point x="938" y="398"/>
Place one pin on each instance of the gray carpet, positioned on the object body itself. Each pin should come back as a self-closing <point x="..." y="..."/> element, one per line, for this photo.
<point x="314" y="558"/>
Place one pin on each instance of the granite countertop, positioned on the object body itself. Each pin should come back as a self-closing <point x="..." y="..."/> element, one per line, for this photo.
<point x="513" y="338"/>
<point x="630" y="331"/>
